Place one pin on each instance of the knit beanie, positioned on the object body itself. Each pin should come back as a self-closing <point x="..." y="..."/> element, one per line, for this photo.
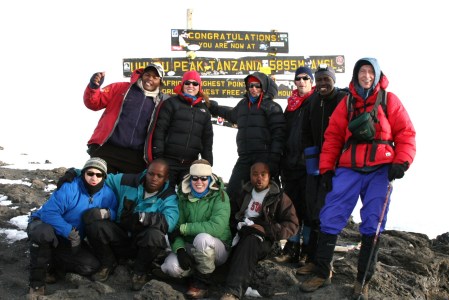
<point x="253" y="79"/>
<point x="192" y="75"/>
<point x="97" y="163"/>
<point x="328" y="70"/>
<point x="201" y="167"/>
<point x="305" y="70"/>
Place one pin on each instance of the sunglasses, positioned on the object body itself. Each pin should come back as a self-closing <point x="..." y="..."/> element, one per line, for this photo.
<point x="188" y="82"/>
<point x="203" y="178"/>
<point x="255" y="85"/>
<point x="91" y="174"/>
<point x="305" y="78"/>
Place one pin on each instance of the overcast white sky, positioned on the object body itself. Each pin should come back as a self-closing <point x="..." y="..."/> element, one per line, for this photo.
<point x="50" y="49"/>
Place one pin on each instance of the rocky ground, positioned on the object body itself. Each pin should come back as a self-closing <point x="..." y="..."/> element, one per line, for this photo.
<point x="411" y="266"/>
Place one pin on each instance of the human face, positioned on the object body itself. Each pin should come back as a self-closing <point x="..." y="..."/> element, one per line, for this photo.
<point x="94" y="179"/>
<point x="303" y="86"/>
<point x="260" y="176"/>
<point x="190" y="88"/>
<point x="366" y="76"/>
<point x="151" y="80"/>
<point x="199" y="185"/>
<point x="324" y="84"/>
<point x="255" y="89"/>
<point x="157" y="175"/>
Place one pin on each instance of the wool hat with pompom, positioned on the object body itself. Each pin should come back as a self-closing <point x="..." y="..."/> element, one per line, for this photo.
<point x="201" y="167"/>
<point x="97" y="163"/>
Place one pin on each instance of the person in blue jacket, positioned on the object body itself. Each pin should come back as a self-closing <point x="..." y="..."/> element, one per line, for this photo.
<point x="147" y="211"/>
<point x="56" y="231"/>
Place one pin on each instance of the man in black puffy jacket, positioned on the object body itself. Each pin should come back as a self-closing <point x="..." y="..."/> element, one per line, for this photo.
<point x="261" y="129"/>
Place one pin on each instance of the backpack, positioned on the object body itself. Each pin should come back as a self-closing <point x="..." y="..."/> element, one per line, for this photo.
<point x="362" y="126"/>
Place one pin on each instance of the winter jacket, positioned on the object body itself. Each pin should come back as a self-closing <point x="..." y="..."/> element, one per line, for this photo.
<point x="293" y="157"/>
<point x="261" y="126"/>
<point x="317" y="115"/>
<point x="396" y="129"/>
<point x="65" y="207"/>
<point x="278" y="216"/>
<point x="183" y="131"/>
<point x="130" y="192"/>
<point x="210" y="214"/>
<point x="112" y="98"/>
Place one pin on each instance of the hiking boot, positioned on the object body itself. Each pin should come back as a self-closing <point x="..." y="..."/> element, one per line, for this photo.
<point x="35" y="293"/>
<point x="314" y="283"/>
<point x="308" y="269"/>
<point x="228" y="296"/>
<point x="359" y="293"/>
<point x="103" y="274"/>
<point x="138" y="281"/>
<point x="290" y="253"/>
<point x="197" y="292"/>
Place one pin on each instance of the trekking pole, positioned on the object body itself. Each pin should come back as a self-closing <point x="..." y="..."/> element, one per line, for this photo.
<point x="387" y="198"/>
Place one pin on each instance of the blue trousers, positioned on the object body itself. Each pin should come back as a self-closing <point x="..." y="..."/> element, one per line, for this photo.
<point x="348" y="185"/>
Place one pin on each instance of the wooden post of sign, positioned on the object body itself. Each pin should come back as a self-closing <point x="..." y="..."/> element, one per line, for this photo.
<point x="190" y="54"/>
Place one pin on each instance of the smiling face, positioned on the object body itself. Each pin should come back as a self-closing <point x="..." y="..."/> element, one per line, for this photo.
<point x="157" y="175"/>
<point x="151" y="80"/>
<point x="260" y="176"/>
<point x="366" y="76"/>
<point x="191" y="87"/>
<point x="324" y="84"/>
<point x="199" y="183"/>
<point x="303" y="83"/>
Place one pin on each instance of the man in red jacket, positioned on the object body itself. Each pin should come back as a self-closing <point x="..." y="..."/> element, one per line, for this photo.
<point x="352" y="167"/>
<point x="124" y="132"/>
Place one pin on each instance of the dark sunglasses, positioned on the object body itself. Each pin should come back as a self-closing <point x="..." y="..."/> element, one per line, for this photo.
<point x="90" y="174"/>
<point x="255" y="85"/>
<point x="188" y="82"/>
<point x="305" y="78"/>
<point x="203" y="178"/>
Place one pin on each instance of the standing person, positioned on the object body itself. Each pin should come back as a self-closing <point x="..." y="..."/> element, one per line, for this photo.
<point x="293" y="169"/>
<point x="124" y="131"/>
<point x="261" y="129"/>
<point x="184" y="128"/>
<point x="202" y="239"/>
<point x="316" y="120"/>
<point x="56" y="230"/>
<point x="352" y="167"/>
<point x="147" y="211"/>
<point x="262" y="215"/>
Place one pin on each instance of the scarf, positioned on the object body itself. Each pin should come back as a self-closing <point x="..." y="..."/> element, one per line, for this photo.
<point x="295" y="100"/>
<point x="90" y="188"/>
<point x="200" y="195"/>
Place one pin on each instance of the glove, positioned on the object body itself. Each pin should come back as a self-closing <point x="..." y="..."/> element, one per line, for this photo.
<point x="96" y="80"/>
<point x="273" y="163"/>
<point x="253" y="229"/>
<point x="185" y="261"/>
<point x="213" y="107"/>
<point x="95" y="214"/>
<point x="68" y="176"/>
<point x="326" y="181"/>
<point x="104" y="213"/>
<point x="397" y="171"/>
<point x="75" y="240"/>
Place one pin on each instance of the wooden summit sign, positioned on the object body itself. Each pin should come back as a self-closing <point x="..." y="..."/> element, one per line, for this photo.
<point x="234" y="41"/>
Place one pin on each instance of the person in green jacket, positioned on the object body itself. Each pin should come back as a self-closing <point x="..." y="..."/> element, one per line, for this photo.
<point x="202" y="238"/>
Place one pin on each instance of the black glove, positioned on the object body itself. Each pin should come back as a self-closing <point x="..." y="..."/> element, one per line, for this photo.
<point x="75" y="240"/>
<point x="96" y="80"/>
<point x="397" y="171"/>
<point x="153" y="219"/>
<point x="213" y="107"/>
<point x="248" y="230"/>
<point x="273" y="162"/>
<point x="68" y="176"/>
<point x="185" y="261"/>
<point x="95" y="214"/>
<point x="326" y="180"/>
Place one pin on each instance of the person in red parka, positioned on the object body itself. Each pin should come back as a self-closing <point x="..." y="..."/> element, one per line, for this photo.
<point x="351" y="168"/>
<point x="124" y="132"/>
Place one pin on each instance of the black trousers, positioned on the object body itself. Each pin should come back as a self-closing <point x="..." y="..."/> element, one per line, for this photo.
<point x="47" y="250"/>
<point x="244" y="258"/>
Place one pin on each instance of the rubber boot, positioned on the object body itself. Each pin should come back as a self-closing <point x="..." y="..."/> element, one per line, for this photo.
<point x="323" y="262"/>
